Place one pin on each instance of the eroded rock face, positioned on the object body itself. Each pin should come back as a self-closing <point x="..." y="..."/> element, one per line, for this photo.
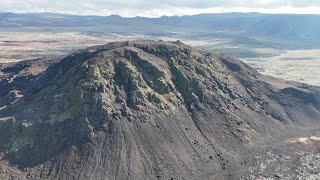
<point x="144" y="110"/>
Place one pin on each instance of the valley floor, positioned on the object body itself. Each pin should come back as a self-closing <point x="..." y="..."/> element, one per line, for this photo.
<point x="296" y="65"/>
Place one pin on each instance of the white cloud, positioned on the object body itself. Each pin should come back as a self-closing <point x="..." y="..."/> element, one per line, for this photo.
<point x="152" y="8"/>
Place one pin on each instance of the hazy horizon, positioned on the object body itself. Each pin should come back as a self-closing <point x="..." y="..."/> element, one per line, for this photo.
<point x="159" y="8"/>
<point x="106" y="15"/>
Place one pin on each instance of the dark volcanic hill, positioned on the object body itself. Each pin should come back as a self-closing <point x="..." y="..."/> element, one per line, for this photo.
<point x="146" y="110"/>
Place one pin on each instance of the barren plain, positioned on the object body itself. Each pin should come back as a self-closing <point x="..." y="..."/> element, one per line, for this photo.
<point x="18" y="46"/>
<point x="297" y="65"/>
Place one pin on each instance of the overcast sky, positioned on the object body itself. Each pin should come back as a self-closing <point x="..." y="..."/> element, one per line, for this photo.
<point x="152" y="8"/>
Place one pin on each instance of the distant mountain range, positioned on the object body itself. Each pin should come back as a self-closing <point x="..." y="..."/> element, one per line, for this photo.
<point x="284" y="26"/>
